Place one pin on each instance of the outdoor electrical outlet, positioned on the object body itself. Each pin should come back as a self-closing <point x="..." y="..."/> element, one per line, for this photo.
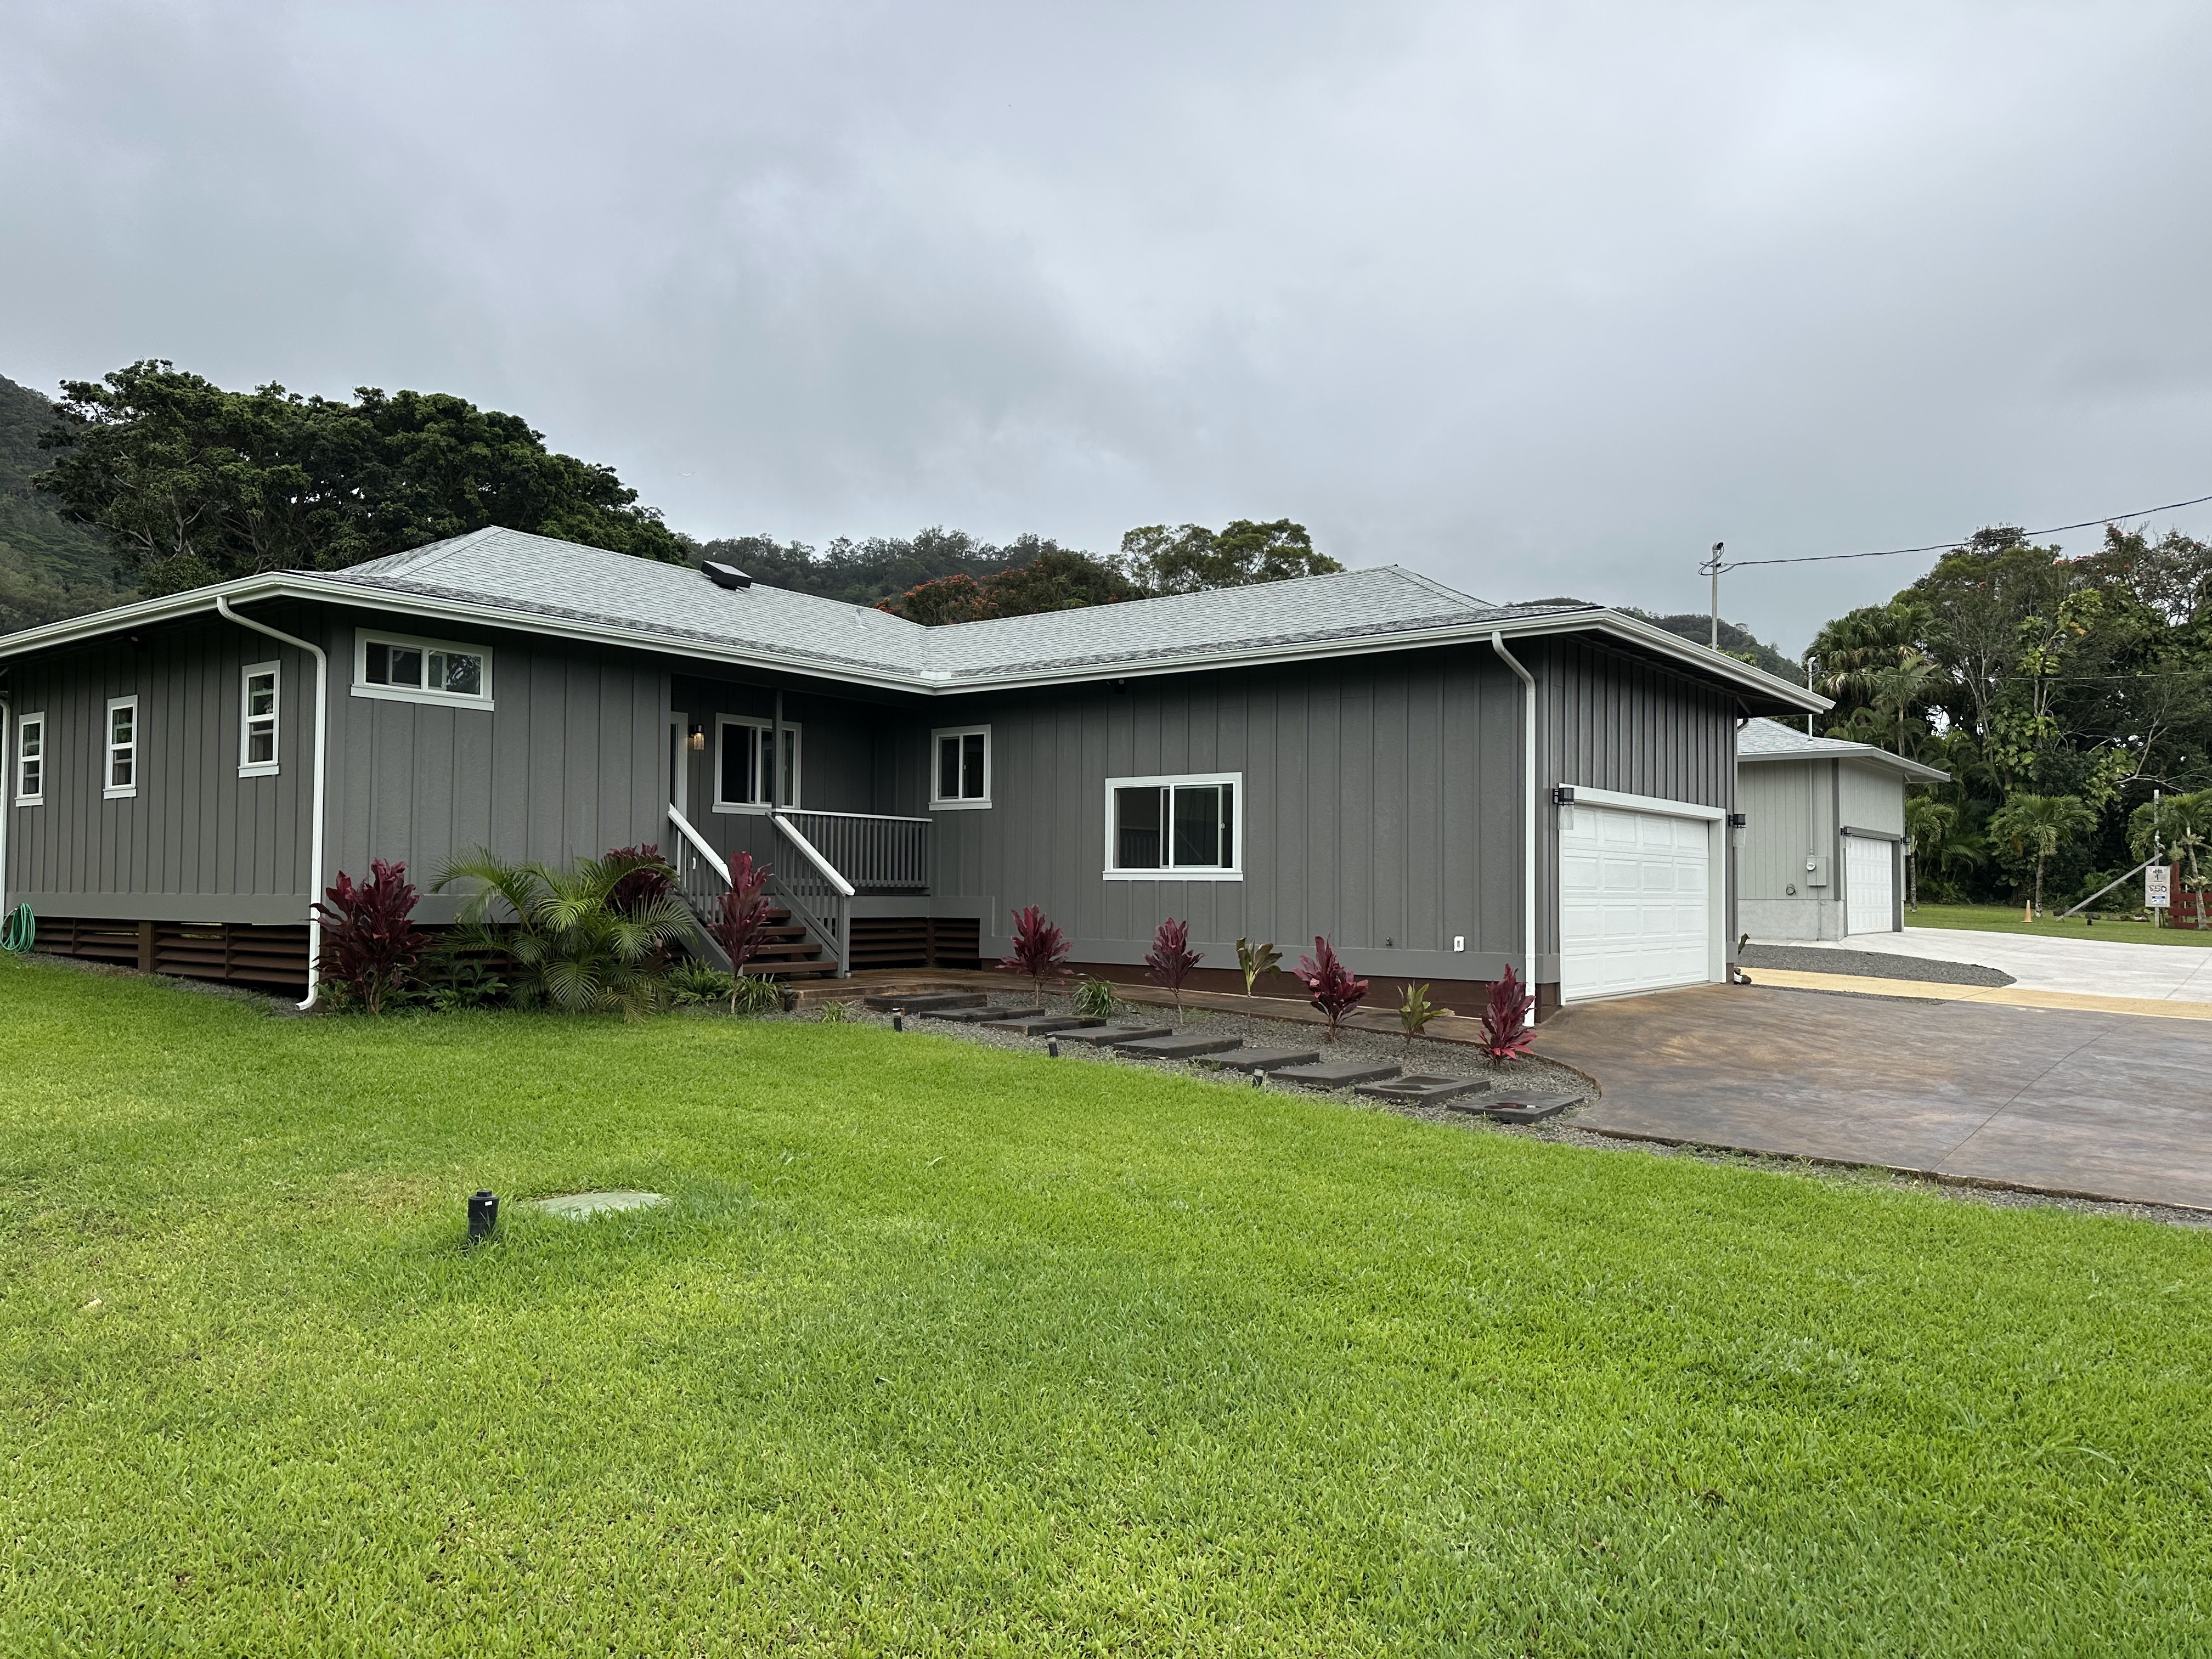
<point x="1459" y="941"/>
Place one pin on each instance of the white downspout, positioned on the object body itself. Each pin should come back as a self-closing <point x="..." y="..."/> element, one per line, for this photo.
<point x="1529" y="816"/>
<point x="315" y="840"/>
<point x="7" y="793"/>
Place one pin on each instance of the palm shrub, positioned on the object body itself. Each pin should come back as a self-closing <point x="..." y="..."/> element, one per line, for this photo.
<point x="1336" y="989"/>
<point x="1254" y="960"/>
<point x="1039" y="948"/>
<point x="1415" y="1011"/>
<point x="1928" y="824"/>
<point x="1505" y="1033"/>
<point x="2040" y="824"/>
<point x="1170" y="959"/>
<point x="572" y="947"/>
<point x="369" y="937"/>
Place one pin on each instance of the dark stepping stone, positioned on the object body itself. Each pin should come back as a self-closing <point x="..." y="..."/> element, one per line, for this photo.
<point x="928" y="1002"/>
<point x="986" y="1015"/>
<point x="1522" y="1107"/>
<point x="1040" y="1024"/>
<point x="1421" y="1089"/>
<point x="1261" y="1059"/>
<point x="1105" y="1036"/>
<point x="1338" y="1074"/>
<point x="1179" y="1047"/>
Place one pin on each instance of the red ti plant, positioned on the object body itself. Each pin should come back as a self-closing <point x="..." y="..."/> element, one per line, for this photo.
<point x="1336" y="989"/>
<point x="1040" y="948"/>
<point x="1505" y="1033"/>
<point x="645" y="877"/>
<point x="740" y="925"/>
<point x="369" y="935"/>
<point x="1170" y="959"/>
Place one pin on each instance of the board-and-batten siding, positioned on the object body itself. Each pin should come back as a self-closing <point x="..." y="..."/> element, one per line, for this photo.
<point x="1379" y="809"/>
<point x="1870" y="796"/>
<point x="198" y="842"/>
<point x="570" y="761"/>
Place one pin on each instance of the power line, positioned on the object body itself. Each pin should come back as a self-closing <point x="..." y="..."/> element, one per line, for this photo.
<point x="1946" y="547"/>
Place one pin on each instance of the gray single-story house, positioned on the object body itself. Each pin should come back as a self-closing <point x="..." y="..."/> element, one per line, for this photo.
<point x="1824" y="851"/>
<point x="1440" y="785"/>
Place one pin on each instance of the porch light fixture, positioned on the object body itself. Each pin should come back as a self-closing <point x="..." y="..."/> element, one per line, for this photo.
<point x="1564" y="795"/>
<point x="698" y="740"/>
<point x="1738" y="821"/>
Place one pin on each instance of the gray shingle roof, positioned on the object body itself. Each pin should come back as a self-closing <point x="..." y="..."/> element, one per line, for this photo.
<point x="555" y="579"/>
<point x="1765" y="739"/>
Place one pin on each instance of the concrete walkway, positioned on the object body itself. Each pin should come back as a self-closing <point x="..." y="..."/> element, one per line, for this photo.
<point x="2097" y="1105"/>
<point x="2111" y="968"/>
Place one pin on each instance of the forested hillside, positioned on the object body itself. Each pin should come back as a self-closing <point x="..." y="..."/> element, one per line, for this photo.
<point x="49" y="567"/>
<point x="1697" y="625"/>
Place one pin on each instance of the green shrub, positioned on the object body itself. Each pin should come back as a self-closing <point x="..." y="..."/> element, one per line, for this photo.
<point x="694" y="983"/>
<point x="581" y="939"/>
<point x="1094" y="999"/>
<point x="752" y="996"/>
<point x="836" y="1013"/>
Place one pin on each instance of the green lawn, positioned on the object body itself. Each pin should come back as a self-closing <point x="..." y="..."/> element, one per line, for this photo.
<point x="2005" y="919"/>
<point x="941" y="1349"/>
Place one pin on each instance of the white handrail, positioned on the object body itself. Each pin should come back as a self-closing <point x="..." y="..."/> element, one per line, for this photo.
<point x="874" y="817"/>
<point x="699" y="844"/>
<point x="826" y="870"/>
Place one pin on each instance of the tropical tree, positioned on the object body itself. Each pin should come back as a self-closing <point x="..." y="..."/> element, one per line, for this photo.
<point x="1928" y="824"/>
<point x="1900" y="689"/>
<point x="2040" y="824"/>
<point x="1190" y="557"/>
<point x="575" y="945"/>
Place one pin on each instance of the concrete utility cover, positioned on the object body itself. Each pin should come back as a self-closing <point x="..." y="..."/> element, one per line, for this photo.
<point x="1261" y="1059"/>
<point x="1421" y="1089"/>
<point x="1113" y="1034"/>
<point x="1340" y="1074"/>
<point x="582" y="1206"/>
<point x="1180" y="1047"/>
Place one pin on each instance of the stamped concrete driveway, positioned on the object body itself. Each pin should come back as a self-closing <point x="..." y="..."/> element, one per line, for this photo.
<point x="2106" y="1105"/>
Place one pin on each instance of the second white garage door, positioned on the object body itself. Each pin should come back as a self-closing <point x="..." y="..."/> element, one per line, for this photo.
<point x="1871" y="885"/>
<point x="1635" y="902"/>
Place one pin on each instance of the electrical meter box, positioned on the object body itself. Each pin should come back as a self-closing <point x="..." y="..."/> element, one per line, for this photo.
<point x="1816" y="869"/>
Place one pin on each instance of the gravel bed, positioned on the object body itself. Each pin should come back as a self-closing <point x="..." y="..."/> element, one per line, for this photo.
<point x="1869" y="965"/>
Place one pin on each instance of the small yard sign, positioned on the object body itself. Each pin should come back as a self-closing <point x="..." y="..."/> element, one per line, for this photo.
<point x="2158" y="887"/>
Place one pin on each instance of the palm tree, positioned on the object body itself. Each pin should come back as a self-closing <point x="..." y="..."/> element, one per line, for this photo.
<point x="576" y="943"/>
<point x="1927" y="825"/>
<point x="2043" y="822"/>
<point x="1901" y="689"/>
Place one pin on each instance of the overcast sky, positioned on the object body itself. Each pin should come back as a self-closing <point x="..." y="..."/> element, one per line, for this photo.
<point x="1537" y="299"/>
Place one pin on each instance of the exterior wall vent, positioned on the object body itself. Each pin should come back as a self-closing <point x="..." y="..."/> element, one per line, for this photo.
<point x="726" y="575"/>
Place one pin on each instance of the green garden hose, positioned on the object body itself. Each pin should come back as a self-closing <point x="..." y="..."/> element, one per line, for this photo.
<point x="21" y="931"/>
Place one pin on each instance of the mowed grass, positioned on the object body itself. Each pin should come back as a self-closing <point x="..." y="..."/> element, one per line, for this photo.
<point x="2005" y="919"/>
<point x="944" y="1349"/>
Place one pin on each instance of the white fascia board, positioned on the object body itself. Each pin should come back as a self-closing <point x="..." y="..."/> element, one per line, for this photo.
<point x="1912" y="769"/>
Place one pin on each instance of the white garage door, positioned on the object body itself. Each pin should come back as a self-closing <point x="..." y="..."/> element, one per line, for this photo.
<point x="1870" y="892"/>
<point x="1635" y="892"/>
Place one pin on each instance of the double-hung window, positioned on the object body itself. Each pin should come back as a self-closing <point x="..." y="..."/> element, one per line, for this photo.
<point x="1178" y="828"/>
<point x="746" y="774"/>
<point x="257" y="720"/>
<point x="121" y="772"/>
<point x="400" y="668"/>
<point x="30" y="760"/>
<point x="961" y="775"/>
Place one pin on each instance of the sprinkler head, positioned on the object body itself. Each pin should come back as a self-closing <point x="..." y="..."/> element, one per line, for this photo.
<point x="483" y="1215"/>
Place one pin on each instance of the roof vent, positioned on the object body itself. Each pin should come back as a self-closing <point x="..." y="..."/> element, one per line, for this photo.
<point x="726" y="575"/>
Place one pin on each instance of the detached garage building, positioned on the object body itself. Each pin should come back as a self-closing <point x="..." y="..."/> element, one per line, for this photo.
<point x="1823" y="853"/>
<point x="1441" y="785"/>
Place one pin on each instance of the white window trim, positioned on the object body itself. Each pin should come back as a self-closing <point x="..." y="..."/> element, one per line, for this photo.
<point x="270" y="767"/>
<point x="760" y="723"/>
<point x="110" y="790"/>
<point x="957" y="804"/>
<point x="1180" y="873"/>
<point x="361" y="687"/>
<point x="37" y="718"/>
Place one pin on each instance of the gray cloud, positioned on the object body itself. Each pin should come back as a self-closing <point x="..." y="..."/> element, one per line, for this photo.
<point x="1535" y="298"/>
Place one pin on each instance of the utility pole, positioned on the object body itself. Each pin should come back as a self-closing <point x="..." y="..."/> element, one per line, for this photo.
<point x="1712" y="568"/>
